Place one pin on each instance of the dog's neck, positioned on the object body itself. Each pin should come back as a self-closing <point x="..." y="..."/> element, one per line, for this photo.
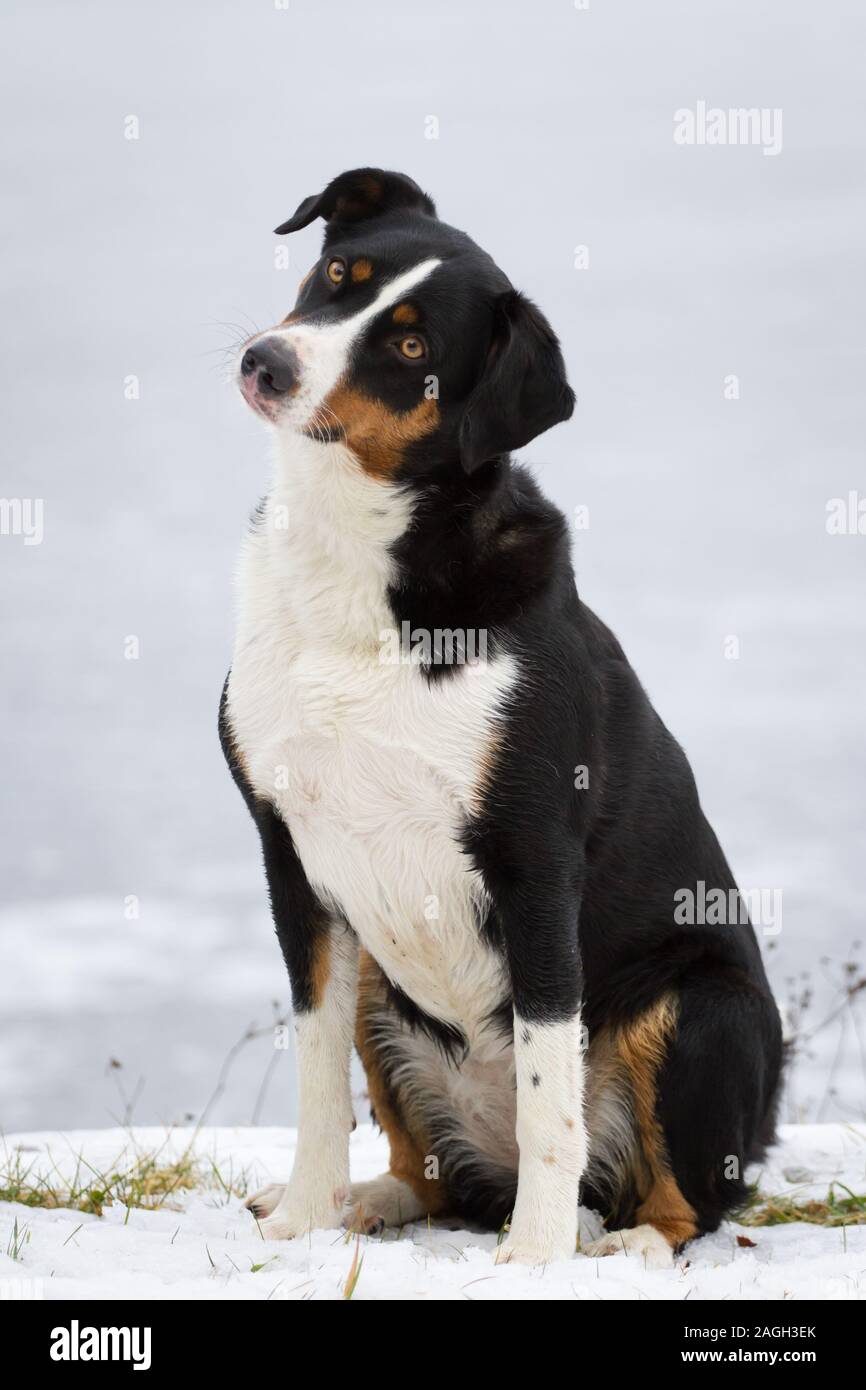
<point x="355" y="557"/>
<point x="330" y="529"/>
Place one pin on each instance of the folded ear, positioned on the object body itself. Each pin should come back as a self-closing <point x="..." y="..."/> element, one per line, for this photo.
<point x="359" y="194"/>
<point x="523" y="390"/>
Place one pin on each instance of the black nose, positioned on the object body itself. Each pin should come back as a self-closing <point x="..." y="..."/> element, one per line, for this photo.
<point x="275" y="362"/>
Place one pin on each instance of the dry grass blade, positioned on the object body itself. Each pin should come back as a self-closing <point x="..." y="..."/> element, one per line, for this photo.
<point x="354" y="1270"/>
<point x="149" y="1181"/>
<point x="836" y="1210"/>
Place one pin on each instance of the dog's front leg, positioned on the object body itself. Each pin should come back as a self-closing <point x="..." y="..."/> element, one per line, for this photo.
<point x="322" y="958"/>
<point x="542" y="948"/>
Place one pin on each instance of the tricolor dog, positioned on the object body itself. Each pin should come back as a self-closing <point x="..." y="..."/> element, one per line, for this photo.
<point x="474" y="824"/>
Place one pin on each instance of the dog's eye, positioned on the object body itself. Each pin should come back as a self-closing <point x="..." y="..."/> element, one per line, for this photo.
<point x="413" y="347"/>
<point x="336" y="270"/>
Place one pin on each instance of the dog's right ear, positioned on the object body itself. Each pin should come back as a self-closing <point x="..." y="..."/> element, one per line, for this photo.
<point x="357" y="195"/>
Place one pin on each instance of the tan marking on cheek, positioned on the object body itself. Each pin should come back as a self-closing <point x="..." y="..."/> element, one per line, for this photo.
<point x="362" y="270"/>
<point x="408" y="1143"/>
<point x="377" y="436"/>
<point x="306" y="279"/>
<point x="405" y="313"/>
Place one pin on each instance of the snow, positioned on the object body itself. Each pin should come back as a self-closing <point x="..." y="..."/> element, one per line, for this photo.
<point x="207" y="1248"/>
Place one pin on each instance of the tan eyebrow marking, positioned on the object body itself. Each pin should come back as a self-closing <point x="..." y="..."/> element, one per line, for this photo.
<point x="405" y="313"/>
<point x="362" y="270"/>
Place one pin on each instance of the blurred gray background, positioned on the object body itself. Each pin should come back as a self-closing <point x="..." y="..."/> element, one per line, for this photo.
<point x="148" y="258"/>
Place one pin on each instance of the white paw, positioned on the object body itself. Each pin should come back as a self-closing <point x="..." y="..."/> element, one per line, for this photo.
<point x="386" y="1201"/>
<point x="515" y="1250"/>
<point x="643" y="1243"/>
<point x="283" y="1214"/>
<point x="264" y="1202"/>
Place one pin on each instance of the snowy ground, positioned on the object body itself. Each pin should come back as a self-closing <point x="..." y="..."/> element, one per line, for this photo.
<point x="210" y="1248"/>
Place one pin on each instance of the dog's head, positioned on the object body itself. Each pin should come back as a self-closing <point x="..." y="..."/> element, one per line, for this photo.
<point x="406" y="342"/>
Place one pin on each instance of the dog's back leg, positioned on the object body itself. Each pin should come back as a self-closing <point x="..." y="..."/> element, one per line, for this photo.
<point x="409" y="1190"/>
<point x="702" y="1066"/>
<point x="718" y="1088"/>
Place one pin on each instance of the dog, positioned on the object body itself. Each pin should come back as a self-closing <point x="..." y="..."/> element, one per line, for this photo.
<point x="472" y="850"/>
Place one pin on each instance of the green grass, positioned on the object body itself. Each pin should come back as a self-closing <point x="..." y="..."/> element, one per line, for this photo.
<point x="135" y="1180"/>
<point x="18" y="1238"/>
<point x="156" y="1181"/>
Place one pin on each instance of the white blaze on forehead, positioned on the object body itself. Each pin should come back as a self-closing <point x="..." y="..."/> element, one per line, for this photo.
<point x="323" y="349"/>
<point x="388" y="295"/>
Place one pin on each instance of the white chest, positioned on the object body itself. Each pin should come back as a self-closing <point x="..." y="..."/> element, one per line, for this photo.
<point x="374" y="770"/>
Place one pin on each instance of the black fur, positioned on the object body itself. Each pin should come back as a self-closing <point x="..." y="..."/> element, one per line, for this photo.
<point x="358" y="196"/>
<point x="582" y="879"/>
<point x="447" y="1037"/>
